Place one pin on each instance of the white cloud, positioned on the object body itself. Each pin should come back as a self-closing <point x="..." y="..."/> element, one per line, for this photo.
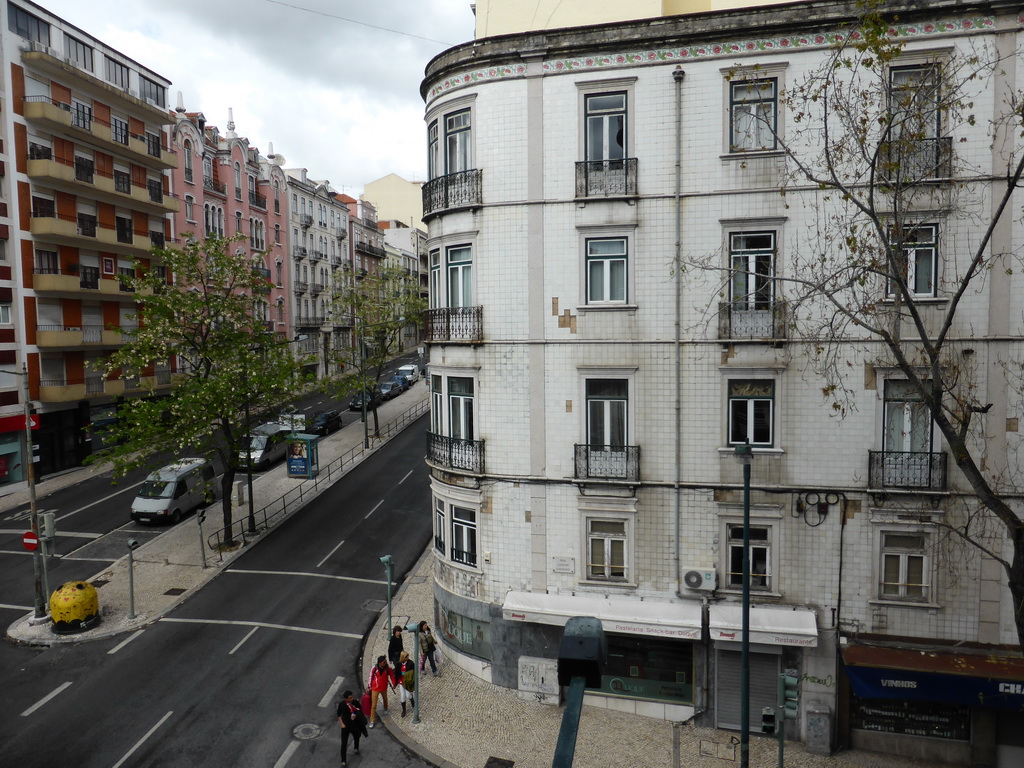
<point x="338" y="98"/>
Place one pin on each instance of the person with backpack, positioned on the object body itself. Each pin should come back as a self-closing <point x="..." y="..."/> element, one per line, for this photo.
<point x="427" y="647"/>
<point x="382" y="677"/>
<point x="352" y="722"/>
<point x="406" y="674"/>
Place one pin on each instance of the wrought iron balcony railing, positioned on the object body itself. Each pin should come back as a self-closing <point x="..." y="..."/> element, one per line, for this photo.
<point x="740" y="320"/>
<point x="606" y="178"/>
<point x="608" y="462"/>
<point x="923" y="470"/>
<point x="453" y="191"/>
<point x="454" y="324"/>
<point x="906" y="162"/>
<point x="258" y="200"/>
<point x="456" y="453"/>
<point x="212" y="185"/>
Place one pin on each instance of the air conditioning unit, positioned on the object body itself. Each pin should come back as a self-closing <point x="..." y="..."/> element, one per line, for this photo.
<point x="700" y="579"/>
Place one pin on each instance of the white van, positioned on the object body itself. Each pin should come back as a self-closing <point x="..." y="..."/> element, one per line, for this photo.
<point x="411" y="373"/>
<point x="175" y="490"/>
<point x="268" y="443"/>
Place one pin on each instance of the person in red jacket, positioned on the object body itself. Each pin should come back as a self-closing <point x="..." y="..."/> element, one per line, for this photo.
<point x="382" y="677"/>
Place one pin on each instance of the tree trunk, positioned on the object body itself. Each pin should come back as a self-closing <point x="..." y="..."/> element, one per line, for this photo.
<point x="227" y="481"/>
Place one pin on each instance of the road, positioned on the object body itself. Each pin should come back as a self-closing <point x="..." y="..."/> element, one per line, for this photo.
<point x="247" y="672"/>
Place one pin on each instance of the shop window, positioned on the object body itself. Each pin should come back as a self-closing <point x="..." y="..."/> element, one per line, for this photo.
<point x="472" y="636"/>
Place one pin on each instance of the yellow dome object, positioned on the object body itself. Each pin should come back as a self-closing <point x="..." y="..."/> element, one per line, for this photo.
<point x="75" y="607"/>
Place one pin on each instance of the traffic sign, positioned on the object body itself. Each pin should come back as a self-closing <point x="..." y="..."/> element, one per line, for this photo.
<point x="30" y="541"/>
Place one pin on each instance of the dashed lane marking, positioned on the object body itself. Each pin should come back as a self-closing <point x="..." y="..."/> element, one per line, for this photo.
<point x="123" y="643"/>
<point x="332" y="692"/>
<point x="240" y="642"/>
<point x="45" y="699"/>
<point x="301" y="573"/>
<point x="230" y="623"/>
<point x="142" y="741"/>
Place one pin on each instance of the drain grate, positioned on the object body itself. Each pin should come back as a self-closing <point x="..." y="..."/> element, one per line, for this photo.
<point x="307" y="731"/>
<point x="375" y="606"/>
<point x="498" y="762"/>
<point x="99" y="582"/>
<point x="175" y="591"/>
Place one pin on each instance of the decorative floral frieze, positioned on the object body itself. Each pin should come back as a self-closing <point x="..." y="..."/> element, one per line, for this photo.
<point x="709" y="51"/>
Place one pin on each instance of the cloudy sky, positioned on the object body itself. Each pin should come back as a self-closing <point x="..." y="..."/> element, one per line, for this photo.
<point x="335" y="96"/>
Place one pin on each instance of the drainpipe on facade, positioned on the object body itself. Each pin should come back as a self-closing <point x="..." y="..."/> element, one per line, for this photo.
<point x="677" y="76"/>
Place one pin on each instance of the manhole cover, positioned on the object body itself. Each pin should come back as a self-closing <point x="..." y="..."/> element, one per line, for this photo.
<point x="307" y="731"/>
<point x="375" y="606"/>
<point x="175" y="591"/>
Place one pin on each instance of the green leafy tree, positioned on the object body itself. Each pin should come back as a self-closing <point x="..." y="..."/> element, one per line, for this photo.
<point x="380" y="307"/>
<point x="871" y="144"/>
<point x="211" y="321"/>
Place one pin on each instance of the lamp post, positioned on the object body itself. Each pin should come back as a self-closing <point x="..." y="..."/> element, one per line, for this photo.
<point x="744" y="454"/>
<point x="388" y="563"/>
<point x="414" y="627"/>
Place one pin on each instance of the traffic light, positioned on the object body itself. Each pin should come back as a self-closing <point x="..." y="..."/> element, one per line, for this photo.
<point x="790" y="697"/>
<point x="768" y="720"/>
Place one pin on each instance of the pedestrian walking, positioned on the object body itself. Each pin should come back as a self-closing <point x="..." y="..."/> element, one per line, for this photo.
<point x="352" y="722"/>
<point x="382" y="677"/>
<point x="395" y="646"/>
<point x="405" y="672"/>
<point x="427" y="647"/>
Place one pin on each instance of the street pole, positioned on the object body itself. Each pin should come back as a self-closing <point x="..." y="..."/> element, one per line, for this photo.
<point x="248" y="455"/>
<point x="414" y="627"/>
<point x="743" y="452"/>
<point x="387" y="561"/>
<point x="132" y="544"/>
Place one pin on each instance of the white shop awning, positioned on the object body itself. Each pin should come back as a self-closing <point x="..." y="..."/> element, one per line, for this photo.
<point x="621" y="615"/>
<point x="771" y="626"/>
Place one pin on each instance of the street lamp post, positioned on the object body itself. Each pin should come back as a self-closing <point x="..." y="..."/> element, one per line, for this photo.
<point x="388" y="563"/>
<point x="414" y="627"/>
<point x="744" y="454"/>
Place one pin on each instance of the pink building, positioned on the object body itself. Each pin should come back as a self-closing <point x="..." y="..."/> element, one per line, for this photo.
<point x="227" y="187"/>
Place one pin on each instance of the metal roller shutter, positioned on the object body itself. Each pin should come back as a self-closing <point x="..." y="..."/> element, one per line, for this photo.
<point x="764" y="687"/>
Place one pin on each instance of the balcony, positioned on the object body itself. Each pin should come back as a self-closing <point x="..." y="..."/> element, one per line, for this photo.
<point x="311" y="321"/>
<point x="212" y="185"/>
<point x="305" y="220"/>
<point x="606" y="178"/>
<point x="335" y="262"/>
<point x="370" y="250"/>
<point x="83" y="231"/>
<point x="76" y="177"/>
<point x="60" y="390"/>
<point x="923" y="160"/>
<point x="258" y="200"/>
<point x="737" y="320"/>
<point x="454" y="324"/>
<point x="300" y="286"/>
<point x="455" y="453"/>
<point x="453" y="192"/>
<point x="340" y="232"/>
<point x="299" y="252"/>
<point x="608" y="462"/>
<point x="45" y="280"/>
<point x="316" y="288"/>
<point x="907" y="470"/>
<point x="317" y="255"/>
<point x="58" y="336"/>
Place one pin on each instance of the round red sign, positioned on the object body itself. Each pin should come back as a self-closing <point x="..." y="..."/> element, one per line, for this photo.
<point x="30" y="541"/>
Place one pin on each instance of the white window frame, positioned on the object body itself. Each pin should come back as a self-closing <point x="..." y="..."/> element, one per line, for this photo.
<point x="747" y="264"/>
<point x="459" y="277"/>
<point x="750" y="412"/>
<point x="605" y="114"/>
<point x="466" y="533"/>
<point x="601" y="282"/>
<point x="920" y="247"/>
<point x="5" y="313"/>
<point x="886" y="521"/>
<point x="904" y="558"/>
<point x="440" y="525"/>
<point x="762" y="516"/>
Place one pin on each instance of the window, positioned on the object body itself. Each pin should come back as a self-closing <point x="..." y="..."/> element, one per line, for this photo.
<point x="117" y="74"/>
<point x="189" y="208"/>
<point x="119" y="130"/>
<point x="238" y="182"/>
<point x="463" y="536"/>
<point x="460" y="407"/>
<point x="752" y="256"/>
<point x="908" y="422"/>
<point x="277" y="234"/>
<point x="238" y="222"/>
<point x="458" y="142"/>
<point x="606" y="271"/>
<point x="152" y="92"/>
<point x="607" y="401"/>
<point x="760" y="556"/>
<point x="439" y="519"/>
<point x="460" y="276"/>
<point x="186" y="151"/>
<point x="47" y="263"/>
<point x="78" y="52"/>
<point x="751" y="404"/>
<point x="916" y="257"/>
<point x="23" y="23"/>
<point x="752" y="112"/>
<point x="278" y="274"/>
<point x="913" y="144"/>
<point x="5" y="314"/>
<point x="81" y="114"/>
<point x="433" y="166"/>
<point x="605" y="116"/>
<point x="606" y="549"/>
<point x="904" y="572"/>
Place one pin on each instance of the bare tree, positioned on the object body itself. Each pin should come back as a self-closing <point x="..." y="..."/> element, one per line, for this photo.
<point x="909" y="229"/>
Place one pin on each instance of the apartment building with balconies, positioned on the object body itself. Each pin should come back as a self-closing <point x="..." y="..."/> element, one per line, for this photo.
<point x="589" y="395"/>
<point x="228" y="188"/>
<point x="318" y="227"/>
<point x="89" y="196"/>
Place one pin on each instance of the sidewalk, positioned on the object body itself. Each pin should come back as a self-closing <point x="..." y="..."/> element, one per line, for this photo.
<point x="168" y="567"/>
<point x="465" y="721"/>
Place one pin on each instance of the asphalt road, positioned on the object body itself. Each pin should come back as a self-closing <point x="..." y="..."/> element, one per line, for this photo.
<point x="247" y="672"/>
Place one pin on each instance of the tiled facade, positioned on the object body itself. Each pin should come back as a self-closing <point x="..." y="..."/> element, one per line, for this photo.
<point x="531" y="364"/>
<point x="86" y="191"/>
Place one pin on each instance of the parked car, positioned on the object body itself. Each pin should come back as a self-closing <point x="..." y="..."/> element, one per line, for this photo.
<point x="269" y="443"/>
<point x="325" y="422"/>
<point x="372" y="401"/>
<point x="411" y="372"/>
<point x="174" y="491"/>
<point x="390" y="389"/>
<point x="401" y="381"/>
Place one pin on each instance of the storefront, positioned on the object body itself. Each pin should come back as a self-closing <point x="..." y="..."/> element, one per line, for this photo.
<point x="651" y="645"/>
<point x="776" y="635"/>
<point x="12" y="442"/>
<point x="960" y="707"/>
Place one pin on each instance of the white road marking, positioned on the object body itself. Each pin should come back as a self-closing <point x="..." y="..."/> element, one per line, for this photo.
<point x="99" y="501"/>
<point x="331" y="692"/>
<point x="251" y="633"/>
<point x="406" y="476"/>
<point x="45" y="699"/>
<point x="330" y="553"/>
<point x="282" y="761"/>
<point x="142" y="741"/>
<point x="229" y="623"/>
<point x="300" y="573"/>
<point x="16" y="607"/>
<point x="70" y="534"/>
<point x="374" y="509"/>
<point x="125" y="642"/>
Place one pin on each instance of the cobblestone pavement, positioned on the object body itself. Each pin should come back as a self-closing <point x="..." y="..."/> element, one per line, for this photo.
<point x="465" y="721"/>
